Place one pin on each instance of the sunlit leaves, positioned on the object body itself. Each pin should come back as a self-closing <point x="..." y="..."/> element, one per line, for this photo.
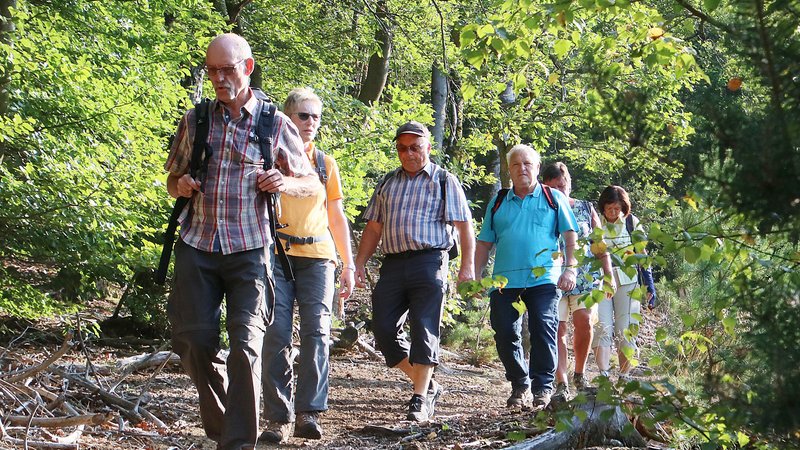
<point x="92" y="115"/>
<point x="561" y="47"/>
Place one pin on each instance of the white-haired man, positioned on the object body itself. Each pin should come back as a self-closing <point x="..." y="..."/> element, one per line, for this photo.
<point x="524" y="224"/>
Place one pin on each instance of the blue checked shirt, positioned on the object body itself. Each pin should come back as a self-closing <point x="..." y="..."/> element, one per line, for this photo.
<point x="411" y="210"/>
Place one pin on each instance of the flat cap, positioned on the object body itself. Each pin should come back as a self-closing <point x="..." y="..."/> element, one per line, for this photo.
<point x="414" y="128"/>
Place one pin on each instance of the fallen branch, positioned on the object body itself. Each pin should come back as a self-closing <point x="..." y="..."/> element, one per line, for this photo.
<point x="30" y="371"/>
<point x="373" y="354"/>
<point x="129" y="342"/>
<point x="126" y="408"/>
<point x="132" y="364"/>
<point x="60" y="422"/>
<point x="39" y="444"/>
<point x="145" y="361"/>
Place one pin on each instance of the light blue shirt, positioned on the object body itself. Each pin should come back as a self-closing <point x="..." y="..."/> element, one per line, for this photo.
<point x="412" y="210"/>
<point x="524" y="234"/>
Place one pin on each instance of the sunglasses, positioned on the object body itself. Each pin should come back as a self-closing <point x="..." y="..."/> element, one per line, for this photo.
<point x="305" y="116"/>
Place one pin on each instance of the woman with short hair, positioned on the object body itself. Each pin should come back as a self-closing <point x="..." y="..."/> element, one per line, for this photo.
<point x="316" y="227"/>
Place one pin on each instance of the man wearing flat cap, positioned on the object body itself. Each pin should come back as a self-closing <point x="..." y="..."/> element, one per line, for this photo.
<point x="409" y="214"/>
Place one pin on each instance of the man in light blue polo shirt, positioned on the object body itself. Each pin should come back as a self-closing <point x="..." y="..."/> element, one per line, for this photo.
<point x="525" y="228"/>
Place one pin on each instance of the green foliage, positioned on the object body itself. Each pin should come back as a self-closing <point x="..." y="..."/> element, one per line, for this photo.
<point x="146" y="303"/>
<point x="19" y="299"/>
<point x="95" y="93"/>
<point x="644" y="95"/>
<point x="470" y="332"/>
<point x="733" y="355"/>
<point x="593" y="85"/>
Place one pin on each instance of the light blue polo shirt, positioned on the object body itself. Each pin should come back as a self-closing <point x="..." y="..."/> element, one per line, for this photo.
<point x="524" y="234"/>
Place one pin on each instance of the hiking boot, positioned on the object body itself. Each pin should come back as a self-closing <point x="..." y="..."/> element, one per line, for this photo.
<point x="307" y="425"/>
<point x="418" y="409"/>
<point x="276" y="433"/>
<point x="561" y="395"/>
<point x="541" y="399"/>
<point x="520" y="397"/>
<point x="434" y="392"/>
<point x="580" y="382"/>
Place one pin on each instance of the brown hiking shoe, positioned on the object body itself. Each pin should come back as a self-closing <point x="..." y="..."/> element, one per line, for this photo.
<point x="520" y="397"/>
<point x="307" y="425"/>
<point x="276" y="433"/>
<point x="562" y="394"/>
<point x="580" y="382"/>
<point x="541" y="399"/>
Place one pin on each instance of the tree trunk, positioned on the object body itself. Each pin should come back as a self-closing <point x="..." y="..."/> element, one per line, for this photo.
<point x="507" y="98"/>
<point x="594" y="431"/>
<point x="439" y="103"/>
<point x="502" y="150"/>
<point x="378" y="68"/>
<point x="234" y="9"/>
<point x="456" y="108"/>
<point x="6" y="37"/>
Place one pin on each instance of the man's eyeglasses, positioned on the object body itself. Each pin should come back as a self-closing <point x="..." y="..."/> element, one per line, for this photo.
<point x="304" y="116"/>
<point x="226" y="71"/>
<point x="416" y="148"/>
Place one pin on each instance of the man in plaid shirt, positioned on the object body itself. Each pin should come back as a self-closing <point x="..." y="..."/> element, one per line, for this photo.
<point x="225" y="241"/>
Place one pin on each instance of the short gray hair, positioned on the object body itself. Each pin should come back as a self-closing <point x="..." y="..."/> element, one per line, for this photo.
<point x="522" y="148"/>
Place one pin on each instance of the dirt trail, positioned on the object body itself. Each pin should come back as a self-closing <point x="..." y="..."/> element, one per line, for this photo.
<point x="367" y="405"/>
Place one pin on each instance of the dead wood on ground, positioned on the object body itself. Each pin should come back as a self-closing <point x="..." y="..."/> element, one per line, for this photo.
<point x="46" y="395"/>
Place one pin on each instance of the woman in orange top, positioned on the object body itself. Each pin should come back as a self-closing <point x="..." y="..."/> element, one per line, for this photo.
<point x="314" y="226"/>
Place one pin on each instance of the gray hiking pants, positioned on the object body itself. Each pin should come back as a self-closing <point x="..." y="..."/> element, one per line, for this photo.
<point x="228" y="390"/>
<point x="312" y="290"/>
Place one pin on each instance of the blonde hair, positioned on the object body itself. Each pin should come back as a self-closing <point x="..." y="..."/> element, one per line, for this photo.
<point x="297" y="96"/>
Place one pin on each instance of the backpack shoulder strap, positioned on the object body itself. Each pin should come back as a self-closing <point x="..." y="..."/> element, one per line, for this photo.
<point x="590" y="211"/>
<point x="501" y="195"/>
<point x="443" y="186"/>
<point x="548" y="195"/>
<point x="551" y="202"/>
<point x="265" y="140"/>
<point x="264" y="132"/>
<point x="201" y="151"/>
<point x="629" y="223"/>
<point x="322" y="172"/>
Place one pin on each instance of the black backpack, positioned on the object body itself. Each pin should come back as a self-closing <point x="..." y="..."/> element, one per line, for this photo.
<point x="548" y="195"/>
<point x="198" y="166"/>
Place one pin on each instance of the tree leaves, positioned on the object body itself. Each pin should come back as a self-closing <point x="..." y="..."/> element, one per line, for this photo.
<point x="561" y="47"/>
<point x="710" y="5"/>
